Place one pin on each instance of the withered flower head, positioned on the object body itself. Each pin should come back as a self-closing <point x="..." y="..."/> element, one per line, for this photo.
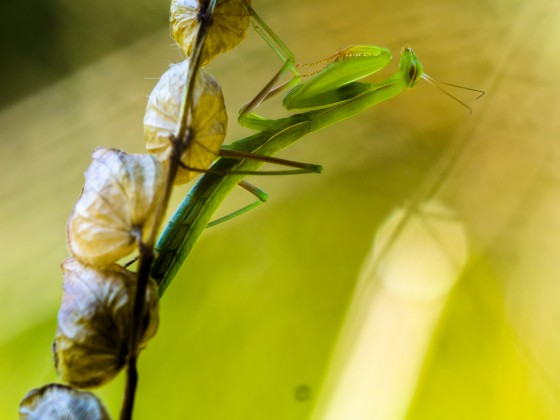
<point x="60" y="402"/>
<point x="208" y="123"/>
<point x="95" y="322"/>
<point x="116" y="206"/>
<point x="230" y="22"/>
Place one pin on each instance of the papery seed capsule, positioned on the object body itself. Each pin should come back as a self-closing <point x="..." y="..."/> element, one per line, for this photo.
<point x="209" y="119"/>
<point x="60" y="402"/>
<point x="230" y="22"/>
<point x="115" y="207"/>
<point x="95" y="322"/>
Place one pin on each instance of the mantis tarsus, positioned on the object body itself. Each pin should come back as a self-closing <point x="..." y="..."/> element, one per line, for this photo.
<point x="334" y="94"/>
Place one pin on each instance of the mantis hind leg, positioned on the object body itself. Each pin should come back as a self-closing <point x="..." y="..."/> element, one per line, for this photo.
<point x="257" y="192"/>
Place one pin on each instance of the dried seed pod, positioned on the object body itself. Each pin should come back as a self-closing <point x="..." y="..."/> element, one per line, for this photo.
<point x="209" y="119"/>
<point x="116" y="206"/>
<point x="230" y="22"/>
<point x="95" y="322"/>
<point x="60" y="402"/>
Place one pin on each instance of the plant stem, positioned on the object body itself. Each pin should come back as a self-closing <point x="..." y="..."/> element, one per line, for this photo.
<point x="131" y="382"/>
<point x="146" y="245"/>
<point x="146" y="259"/>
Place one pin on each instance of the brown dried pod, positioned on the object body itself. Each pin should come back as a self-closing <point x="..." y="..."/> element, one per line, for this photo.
<point x="60" y="402"/>
<point x="230" y="22"/>
<point x="208" y="122"/>
<point x="115" y="207"/>
<point x="94" y="322"/>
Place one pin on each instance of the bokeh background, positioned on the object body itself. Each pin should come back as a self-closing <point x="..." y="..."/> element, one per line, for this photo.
<point x="287" y="312"/>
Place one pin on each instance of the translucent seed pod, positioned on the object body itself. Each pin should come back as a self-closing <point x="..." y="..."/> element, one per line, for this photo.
<point x="60" y="402"/>
<point x="209" y="120"/>
<point x="230" y="22"/>
<point x="95" y="322"/>
<point x="116" y="206"/>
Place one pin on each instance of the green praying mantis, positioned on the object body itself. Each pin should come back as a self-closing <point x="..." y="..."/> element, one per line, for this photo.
<point x="332" y="95"/>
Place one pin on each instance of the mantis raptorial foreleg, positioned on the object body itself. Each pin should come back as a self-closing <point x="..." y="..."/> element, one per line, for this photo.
<point x="334" y="83"/>
<point x="337" y="82"/>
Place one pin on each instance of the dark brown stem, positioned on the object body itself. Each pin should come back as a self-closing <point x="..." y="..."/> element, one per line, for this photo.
<point x="131" y="382"/>
<point x="146" y="244"/>
<point x="146" y="258"/>
<point x="138" y="328"/>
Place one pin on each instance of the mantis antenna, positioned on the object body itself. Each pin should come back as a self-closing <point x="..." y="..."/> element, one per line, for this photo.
<point x="436" y="84"/>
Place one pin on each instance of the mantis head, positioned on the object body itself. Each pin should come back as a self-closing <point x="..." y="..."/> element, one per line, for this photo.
<point x="412" y="71"/>
<point x="409" y="66"/>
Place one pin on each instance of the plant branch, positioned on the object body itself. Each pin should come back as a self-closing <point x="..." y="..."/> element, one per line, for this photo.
<point x="146" y="245"/>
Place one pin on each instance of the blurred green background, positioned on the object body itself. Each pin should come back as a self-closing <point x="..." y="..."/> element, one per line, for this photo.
<point x="265" y="317"/>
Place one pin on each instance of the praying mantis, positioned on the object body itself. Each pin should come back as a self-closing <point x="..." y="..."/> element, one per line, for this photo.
<point x="333" y="94"/>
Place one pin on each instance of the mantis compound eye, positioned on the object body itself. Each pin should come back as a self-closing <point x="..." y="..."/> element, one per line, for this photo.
<point x="415" y="68"/>
<point x="412" y="73"/>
